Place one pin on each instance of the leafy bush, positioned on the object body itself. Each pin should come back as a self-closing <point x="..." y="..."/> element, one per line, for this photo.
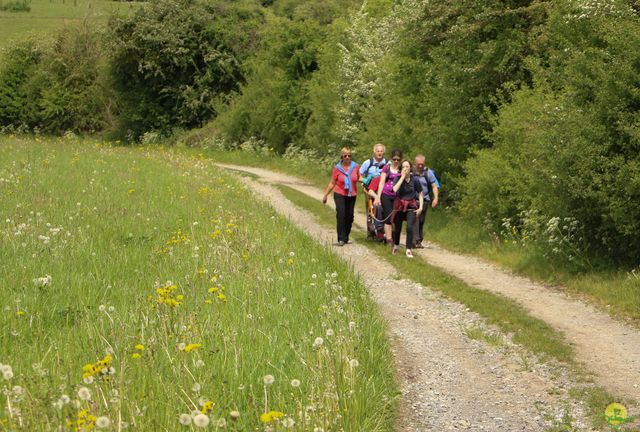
<point x="56" y="87"/>
<point x="568" y="148"/>
<point x="173" y="59"/>
<point x="16" y="6"/>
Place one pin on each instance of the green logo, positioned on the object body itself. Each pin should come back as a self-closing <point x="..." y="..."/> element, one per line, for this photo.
<point x="616" y="414"/>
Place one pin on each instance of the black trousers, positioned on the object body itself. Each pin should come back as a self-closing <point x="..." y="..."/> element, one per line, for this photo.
<point x="345" y="206"/>
<point x="418" y="234"/>
<point x="410" y="217"/>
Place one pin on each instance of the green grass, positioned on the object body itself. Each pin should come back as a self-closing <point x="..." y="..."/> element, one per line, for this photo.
<point x="122" y="233"/>
<point x="48" y="15"/>
<point x="510" y="317"/>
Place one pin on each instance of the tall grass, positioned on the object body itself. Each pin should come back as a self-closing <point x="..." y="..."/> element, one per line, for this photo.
<point x="145" y="288"/>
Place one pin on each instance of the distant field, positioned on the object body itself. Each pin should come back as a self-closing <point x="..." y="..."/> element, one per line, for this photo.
<point x="48" y="15"/>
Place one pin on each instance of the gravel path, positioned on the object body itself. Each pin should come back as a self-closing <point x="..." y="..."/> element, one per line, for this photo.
<point x="451" y="382"/>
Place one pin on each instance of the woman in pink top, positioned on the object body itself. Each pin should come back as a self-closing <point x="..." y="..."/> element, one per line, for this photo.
<point x="344" y="183"/>
<point x="386" y="195"/>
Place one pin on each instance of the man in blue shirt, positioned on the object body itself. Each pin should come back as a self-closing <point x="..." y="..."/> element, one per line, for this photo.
<point x="431" y="187"/>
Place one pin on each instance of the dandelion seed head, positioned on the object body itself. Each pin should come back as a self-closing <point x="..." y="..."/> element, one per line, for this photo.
<point x="84" y="393"/>
<point x="103" y="422"/>
<point x="201" y="420"/>
<point x="268" y="379"/>
<point x="185" y="419"/>
<point x="295" y="383"/>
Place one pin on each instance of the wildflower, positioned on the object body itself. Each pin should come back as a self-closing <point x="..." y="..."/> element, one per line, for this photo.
<point x="199" y="363"/>
<point x="185" y="419"/>
<point x="295" y="383"/>
<point x="136" y="355"/>
<point x="102" y="308"/>
<point x="221" y="423"/>
<point x="103" y="422"/>
<point x="139" y="347"/>
<point x="181" y="346"/>
<point x="88" y="379"/>
<point x="353" y="363"/>
<point x="206" y="407"/>
<point x="196" y="387"/>
<point x="201" y="420"/>
<point x="234" y="415"/>
<point x="268" y="379"/>
<point x="42" y="281"/>
<point x="317" y="343"/>
<point x="329" y="332"/>
<point x="271" y="416"/>
<point x="191" y="347"/>
<point x="288" y="422"/>
<point x="84" y="393"/>
<point x="7" y="372"/>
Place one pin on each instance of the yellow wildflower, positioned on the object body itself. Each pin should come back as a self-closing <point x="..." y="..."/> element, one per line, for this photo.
<point x="271" y="416"/>
<point x="191" y="347"/>
<point x="136" y="355"/>
<point x="140" y="347"/>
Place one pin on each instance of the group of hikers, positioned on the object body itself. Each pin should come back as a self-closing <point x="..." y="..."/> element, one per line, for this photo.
<point x="396" y="190"/>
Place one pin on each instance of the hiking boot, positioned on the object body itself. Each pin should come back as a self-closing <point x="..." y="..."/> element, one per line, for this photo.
<point x="394" y="251"/>
<point x="340" y="243"/>
<point x="409" y="254"/>
<point x="418" y="245"/>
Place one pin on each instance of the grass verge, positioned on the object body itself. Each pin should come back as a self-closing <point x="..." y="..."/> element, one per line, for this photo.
<point x="144" y="290"/>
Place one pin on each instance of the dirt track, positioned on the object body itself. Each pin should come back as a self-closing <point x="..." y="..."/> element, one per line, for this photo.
<point x="450" y="382"/>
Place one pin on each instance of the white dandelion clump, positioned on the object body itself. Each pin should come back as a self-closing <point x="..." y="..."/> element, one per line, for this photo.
<point x="7" y="372"/>
<point x="268" y="379"/>
<point x="42" y="281"/>
<point x="288" y="422"/>
<point x="84" y="393"/>
<point x="196" y="387"/>
<point x="317" y="343"/>
<point x="295" y="383"/>
<point x="103" y="422"/>
<point x="201" y="420"/>
<point x="353" y="363"/>
<point x="88" y="379"/>
<point x="234" y="415"/>
<point x="185" y="419"/>
<point x="199" y="363"/>
<point x="221" y="422"/>
<point x="330" y="332"/>
<point x="352" y="325"/>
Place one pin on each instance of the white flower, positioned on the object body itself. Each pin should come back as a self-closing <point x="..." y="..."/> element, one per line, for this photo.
<point x="330" y="332"/>
<point x="88" y="379"/>
<point x="352" y="325"/>
<point x="65" y="399"/>
<point x="84" y="393"/>
<point x="199" y="363"/>
<point x="317" y="343"/>
<point x="102" y="308"/>
<point x="221" y="422"/>
<point x="295" y="383"/>
<point x="181" y="346"/>
<point x="103" y="422"/>
<point x="234" y="414"/>
<point x="201" y="420"/>
<point x="185" y="419"/>
<point x="7" y="374"/>
<point x="196" y="387"/>
<point x="268" y="379"/>
<point x="288" y="422"/>
<point x="353" y="363"/>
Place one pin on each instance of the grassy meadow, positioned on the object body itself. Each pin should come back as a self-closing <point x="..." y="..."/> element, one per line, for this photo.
<point x="48" y="15"/>
<point x="150" y="290"/>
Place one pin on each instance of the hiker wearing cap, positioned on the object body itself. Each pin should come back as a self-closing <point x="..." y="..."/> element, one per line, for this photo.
<point x="431" y="188"/>
<point x="406" y="207"/>
<point x="386" y="196"/>
<point x="344" y="184"/>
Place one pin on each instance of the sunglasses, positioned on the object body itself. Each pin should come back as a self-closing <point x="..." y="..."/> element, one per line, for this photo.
<point x="396" y="159"/>
<point x="346" y="156"/>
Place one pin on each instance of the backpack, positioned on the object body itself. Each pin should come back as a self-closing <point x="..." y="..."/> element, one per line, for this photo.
<point x="371" y="162"/>
<point x="436" y="175"/>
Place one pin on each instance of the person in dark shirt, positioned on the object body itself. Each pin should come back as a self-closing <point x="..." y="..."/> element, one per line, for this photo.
<point x="406" y="187"/>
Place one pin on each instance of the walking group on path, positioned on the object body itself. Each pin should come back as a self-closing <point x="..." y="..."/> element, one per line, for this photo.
<point x="395" y="191"/>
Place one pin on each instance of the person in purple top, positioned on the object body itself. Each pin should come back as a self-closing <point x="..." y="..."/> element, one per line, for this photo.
<point x="386" y="196"/>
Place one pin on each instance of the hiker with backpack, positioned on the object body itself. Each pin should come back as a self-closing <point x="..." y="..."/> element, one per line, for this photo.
<point x="430" y="187"/>
<point x="370" y="171"/>
<point x="386" y="195"/>
<point x="344" y="184"/>
<point x="407" y="206"/>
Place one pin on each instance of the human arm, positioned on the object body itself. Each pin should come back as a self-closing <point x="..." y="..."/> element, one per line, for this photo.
<point x="383" y="179"/>
<point x="329" y="188"/>
<point x="403" y="176"/>
<point x="420" y="203"/>
<point x="435" y="190"/>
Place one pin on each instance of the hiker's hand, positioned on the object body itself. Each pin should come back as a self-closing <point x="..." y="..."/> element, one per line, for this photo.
<point x="376" y="202"/>
<point x="419" y="211"/>
<point x="405" y="172"/>
<point x="324" y="199"/>
<point x="434" y="203"/>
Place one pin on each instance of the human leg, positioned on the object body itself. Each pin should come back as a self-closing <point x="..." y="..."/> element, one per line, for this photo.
<point x="350" y="205"/>
<point x="341" y="210"/>
<point x="411" y="220"/>
<point x="387" y="210"/>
